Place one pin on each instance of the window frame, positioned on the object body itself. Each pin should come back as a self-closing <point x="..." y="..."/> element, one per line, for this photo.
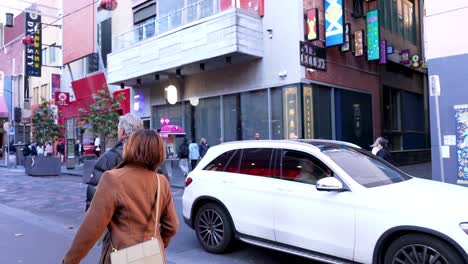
<point x="270" y="163"/>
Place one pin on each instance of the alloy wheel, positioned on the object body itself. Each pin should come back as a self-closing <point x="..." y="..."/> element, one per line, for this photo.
<point x="211" y="228"/>
<point x="418" y="254"/>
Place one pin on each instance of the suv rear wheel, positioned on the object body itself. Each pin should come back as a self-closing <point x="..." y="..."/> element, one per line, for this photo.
<point x="213" y="228"/>
<point x="421" y="249"/>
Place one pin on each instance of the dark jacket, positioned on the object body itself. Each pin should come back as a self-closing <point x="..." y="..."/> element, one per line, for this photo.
<point x="384" y="154"/>
<point x="26" y="151"/>
<point x="77" y="149"/>
<point x="108" y="161"/>
<point x="183" y="151"/>
<point x="61" y="148"/>
<point x="203" y="149"/>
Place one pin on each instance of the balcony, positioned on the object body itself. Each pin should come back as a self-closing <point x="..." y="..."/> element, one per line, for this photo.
<point x="207" y="31"/>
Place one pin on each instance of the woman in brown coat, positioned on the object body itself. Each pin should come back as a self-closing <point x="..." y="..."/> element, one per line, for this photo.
<point x="125" y="202"/>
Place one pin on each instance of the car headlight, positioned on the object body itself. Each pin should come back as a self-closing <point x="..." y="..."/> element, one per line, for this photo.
<point x="464" y="227"/>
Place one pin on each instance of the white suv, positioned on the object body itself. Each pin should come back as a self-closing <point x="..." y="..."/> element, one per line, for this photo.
<point x="324" y="200"/>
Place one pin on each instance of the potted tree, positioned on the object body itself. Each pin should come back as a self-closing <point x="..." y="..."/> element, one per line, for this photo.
<point x="45" y="129"/>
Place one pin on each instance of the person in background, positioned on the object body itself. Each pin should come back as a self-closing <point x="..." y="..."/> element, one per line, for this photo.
<point x="33" y="149"/>
<point x="40" y="149"/>
<point x="97" y="147"/>
<point x="380" y="149"/>
<point x="49" y="150"/>
<point x="61" y="150"/>
<point x="26" y="150"/>
<point x="194" y="154"/>
<point x="78" y="151"/>
<point x="183" y="154"/>
<point x="203" y="147"/>
<point x="125" y="203"/>
<point x="257" y="136"/>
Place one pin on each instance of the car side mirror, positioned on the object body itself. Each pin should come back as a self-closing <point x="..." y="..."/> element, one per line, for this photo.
<point x="329" y="184"/>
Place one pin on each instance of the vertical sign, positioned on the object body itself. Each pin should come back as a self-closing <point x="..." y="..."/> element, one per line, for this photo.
<point x="359" y="43"/>
<point x="33" y="58"/>
<point x="2" y="77"/>
<point x="312" y="24"/>
<point x="291" y="114"/>
<point x="461" y="116"/>
<point x="70" y="148"/>
<point x="372" y="25"/>
<point x="347" y="40"/>
<point x="55" y="80"/>
<point x="308" y="113"/>
<point x="383" y="52"/>
<point x="334" y="22"/>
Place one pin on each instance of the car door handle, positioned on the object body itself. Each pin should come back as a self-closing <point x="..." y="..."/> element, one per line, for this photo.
<point x="284" y="189"/>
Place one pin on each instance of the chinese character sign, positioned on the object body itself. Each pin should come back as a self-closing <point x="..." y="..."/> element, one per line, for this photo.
<point x="359" y="43"/>
<point x="312" y="56"/>
<point x="461" y="116"/>
<point x="33" y="57"/>
<point x="373" y="45"/>
<point x="291" y="118"/>
<point x="334" y="22"/>
<point x="312" y="24"/>
<point x="308" y="112"/>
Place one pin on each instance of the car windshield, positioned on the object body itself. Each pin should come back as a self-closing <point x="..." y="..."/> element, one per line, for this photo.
<point x="367" y="169"/>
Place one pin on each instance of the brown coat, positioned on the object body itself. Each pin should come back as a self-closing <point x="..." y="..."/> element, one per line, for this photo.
<point x="124" y="203"/>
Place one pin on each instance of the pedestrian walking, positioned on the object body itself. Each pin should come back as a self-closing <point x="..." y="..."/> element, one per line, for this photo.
<point x="194" y="154"/>
<point x="203" y="147"/>
<point x="78" y="151"/>
<point x="60" y="150"/>
<point x="97" y="147"/>
<point x="380" y="149"/>
<point x="183" y="154"/>
<point x="132" y="201"/>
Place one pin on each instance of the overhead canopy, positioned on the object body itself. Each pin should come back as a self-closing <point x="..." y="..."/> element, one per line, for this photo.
<point x="171" y="130"/>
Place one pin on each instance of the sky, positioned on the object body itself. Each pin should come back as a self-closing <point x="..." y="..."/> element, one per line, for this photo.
<point x="15" y="4"/>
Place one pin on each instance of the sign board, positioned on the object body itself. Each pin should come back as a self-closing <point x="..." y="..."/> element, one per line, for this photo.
<point x="33" y="57"/>
<point x="347" y="40"/>
<point x="383" y="52"/>
<point x="312" y="24"/>
<point x="62" y="98"/>
<point x="372" y="25"/>
<point x="461" y="118"/>
<point x="404" y="57"/>
<point x="359" y="43"/>
<point x="70" y="148"/>
<point x="56" y="82"/>
<point x="2" y="79"/>
<point x="54" y="110"/>
<point x="334" y="22"/>
<point x="312" y="56"/>
<point x="434" y="85"/>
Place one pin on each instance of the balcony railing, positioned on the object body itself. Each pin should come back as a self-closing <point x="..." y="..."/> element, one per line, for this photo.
<point x="178" y="18"/>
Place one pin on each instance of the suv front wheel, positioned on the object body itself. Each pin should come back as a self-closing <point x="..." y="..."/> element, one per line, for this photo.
<point x="421" y="249"/>
<point x="213" y="228"/>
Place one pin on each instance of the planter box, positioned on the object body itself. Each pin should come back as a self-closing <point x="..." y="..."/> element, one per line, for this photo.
<point x="43" y="166"/>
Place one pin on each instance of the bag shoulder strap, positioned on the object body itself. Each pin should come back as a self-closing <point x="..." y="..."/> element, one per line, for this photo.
<point x="158" y="196"/>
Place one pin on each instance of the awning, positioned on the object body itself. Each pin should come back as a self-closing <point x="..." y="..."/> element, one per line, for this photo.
<point x="171" y="130"/>
<point x="3" y="108"/>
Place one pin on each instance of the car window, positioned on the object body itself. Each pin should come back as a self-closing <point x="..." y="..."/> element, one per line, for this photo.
<point x="256" y="161"/>
<point x="365" y="168"/>
<point x="301" y="167"/>
<point x="233" y="164"/>
<point x="219" y="163"/>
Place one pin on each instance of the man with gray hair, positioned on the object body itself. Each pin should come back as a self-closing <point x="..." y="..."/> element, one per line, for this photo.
<point x="128" y="124"/>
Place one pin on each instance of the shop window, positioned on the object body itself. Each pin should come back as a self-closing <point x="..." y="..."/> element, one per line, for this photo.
<point x="254" y="114"/>
<point x="256" y="162"/>
<point x="207" y="118"/>
<point x="277" y="120"/>
<point x="231" y="118"/>
<point x="322" y="112"/>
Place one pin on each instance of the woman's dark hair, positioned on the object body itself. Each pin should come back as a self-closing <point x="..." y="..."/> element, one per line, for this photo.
<point x="144" y="148"/>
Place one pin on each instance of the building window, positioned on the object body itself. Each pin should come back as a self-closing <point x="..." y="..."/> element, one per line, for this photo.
<point x="146" y="29"/>
<point x="208" y="120"/>
<point x="52" y="54"/>
<point x="44" y="56"/>
<point x="358" y="10"/>
<point x="232" y="118"/>
<point x="254" y="114"/>
<point x="398" y="16"/>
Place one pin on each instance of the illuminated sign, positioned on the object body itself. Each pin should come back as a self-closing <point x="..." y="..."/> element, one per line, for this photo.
<point x="312" y="24"/>
<point x="33" y="57"/>
<point x="359" y="43"/>
<point x="372" y="25"/>
<point x="334" y="22"/>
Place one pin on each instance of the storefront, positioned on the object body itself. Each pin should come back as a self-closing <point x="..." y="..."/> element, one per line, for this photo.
<point x="292" y="111"/>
